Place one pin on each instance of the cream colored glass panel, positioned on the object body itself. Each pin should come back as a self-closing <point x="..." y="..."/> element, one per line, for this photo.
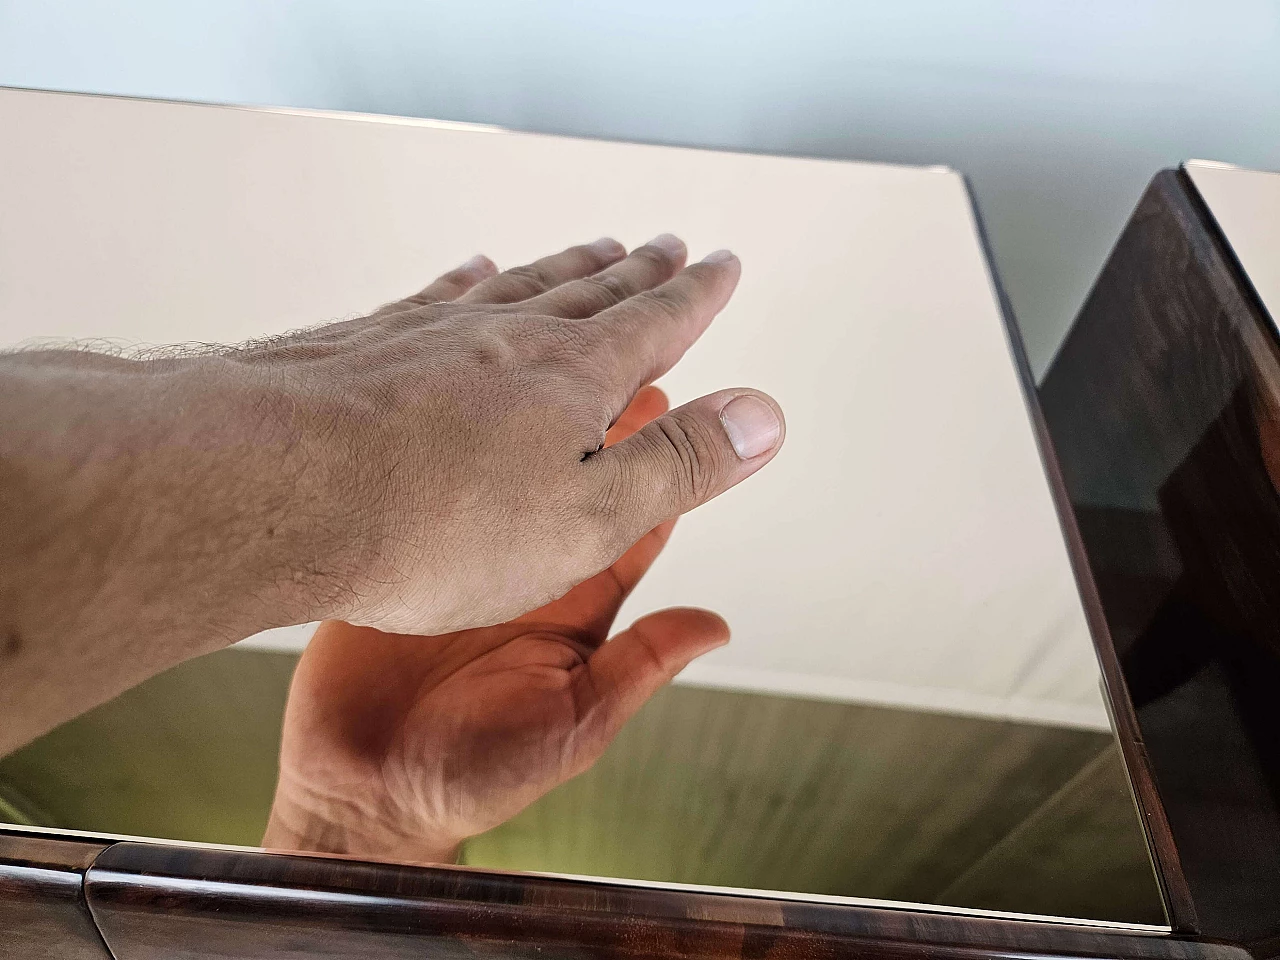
<point x="902" y="549"/>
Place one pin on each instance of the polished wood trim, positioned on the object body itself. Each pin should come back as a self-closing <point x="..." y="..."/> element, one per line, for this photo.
<point x="1179" y="905"/>
<point x="155" y="901"/>
<point x="42" y="907"/>
<point x="1157" y="407"/>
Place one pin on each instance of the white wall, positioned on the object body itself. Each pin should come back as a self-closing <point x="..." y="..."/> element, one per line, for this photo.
<point x="1060" y="110"/>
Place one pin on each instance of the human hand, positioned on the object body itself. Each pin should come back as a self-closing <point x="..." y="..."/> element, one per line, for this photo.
<point x="401" y="747"/>
<point x="428" y="468"/>
<point x="455" y="436"/>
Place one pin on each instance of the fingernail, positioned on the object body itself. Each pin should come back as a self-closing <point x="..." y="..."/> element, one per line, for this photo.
<point x="479" y="264"/>
<point x="668" y="243"/>
<point x="719" y="256"/>
<point x="752" y="426"/>
<point x="607" y="247"/>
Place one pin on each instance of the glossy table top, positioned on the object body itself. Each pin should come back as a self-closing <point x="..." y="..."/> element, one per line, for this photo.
<point x="902" y="552"/>
<point x="902" y="549"/>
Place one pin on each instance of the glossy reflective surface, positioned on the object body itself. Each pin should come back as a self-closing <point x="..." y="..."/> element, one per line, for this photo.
<point x="1163" y="408"/>
<point x="903" y="550"/>
<point x="43" y="913"/>
<point x="154" y="903"/>
<point x="1245" y="205"/>
<point x="910" y="707"/>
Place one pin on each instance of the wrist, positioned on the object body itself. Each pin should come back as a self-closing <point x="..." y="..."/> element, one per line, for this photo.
<point x="263" y="536"/>
<point x="183" y="497"/>
<point x="340" y="495"/>
<point x="349" y="829"/>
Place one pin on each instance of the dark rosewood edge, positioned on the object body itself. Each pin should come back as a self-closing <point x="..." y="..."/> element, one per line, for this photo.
<point x="1160" y="405"/>
<point x="1168" y="867"/>
<point x="155" y="901"/>
<point x="43" y="912"/>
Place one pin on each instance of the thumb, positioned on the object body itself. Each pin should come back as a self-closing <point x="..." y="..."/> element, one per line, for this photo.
<point x="686" y="457"/>
<point x="624" y="673"/>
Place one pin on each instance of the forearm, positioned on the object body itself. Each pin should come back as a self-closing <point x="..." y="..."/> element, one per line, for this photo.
<point x="150" y="512"/>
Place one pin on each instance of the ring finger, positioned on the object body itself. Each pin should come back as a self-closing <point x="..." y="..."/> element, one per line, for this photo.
<point x="531" y="279"/>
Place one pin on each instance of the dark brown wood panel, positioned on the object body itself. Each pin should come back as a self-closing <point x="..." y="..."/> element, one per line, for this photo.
<point x="42" y="906"/>
<point x="1178" y="904"/>
<point x="156" y="902"/>
<point x="1162" y="407"/>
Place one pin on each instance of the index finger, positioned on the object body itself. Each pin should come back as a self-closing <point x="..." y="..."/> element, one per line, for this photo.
<point x="643" y="337"/>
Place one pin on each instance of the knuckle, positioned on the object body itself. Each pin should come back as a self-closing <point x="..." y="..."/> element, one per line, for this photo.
<point x="654" y="256"/>
<point x="608" y="505"/>
<point x="492" y="352"/>
<point x="668" y="304"/>
<point x="655" y="660"/>
<point x="524" y="281"/>
<point x="606" y="288"/>
<point x="690" y="456"/>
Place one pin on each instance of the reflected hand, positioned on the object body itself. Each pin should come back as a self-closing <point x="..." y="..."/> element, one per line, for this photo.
<point x="400" y="747"/>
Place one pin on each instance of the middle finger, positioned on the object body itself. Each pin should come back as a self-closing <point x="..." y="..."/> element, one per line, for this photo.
<point x="647" y="266"/>
<point x="530" y="279"/>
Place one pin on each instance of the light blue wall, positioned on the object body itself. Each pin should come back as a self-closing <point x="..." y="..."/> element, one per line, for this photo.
<point x="1059" y="111"/>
